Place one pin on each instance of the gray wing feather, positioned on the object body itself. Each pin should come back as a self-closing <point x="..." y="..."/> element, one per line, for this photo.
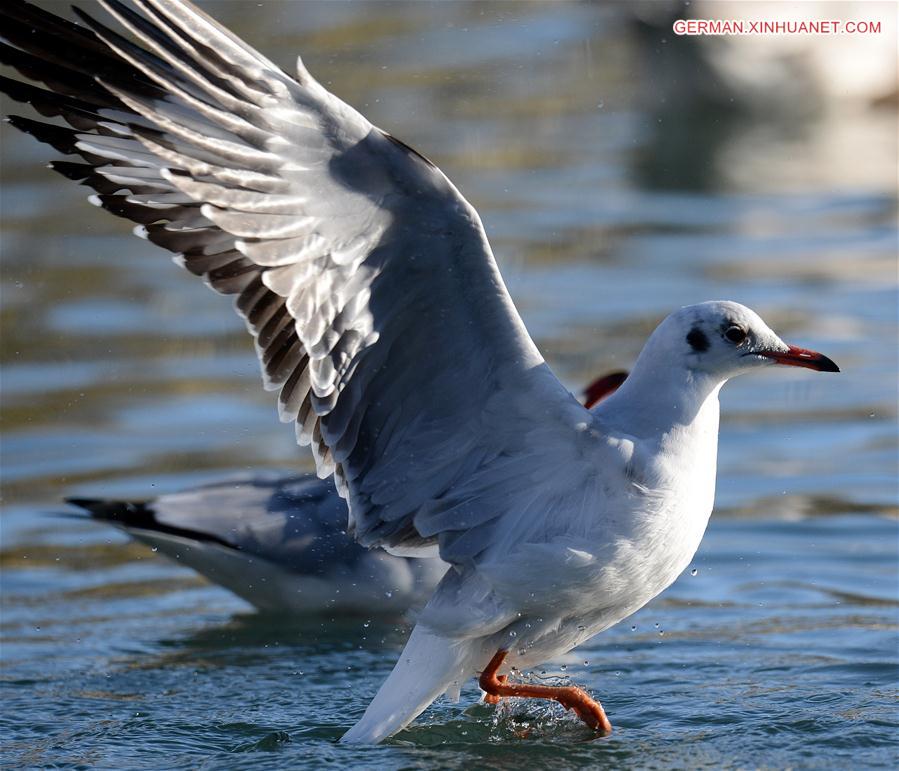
<point x="366" y="279"/>
<point x="297" y="522"/>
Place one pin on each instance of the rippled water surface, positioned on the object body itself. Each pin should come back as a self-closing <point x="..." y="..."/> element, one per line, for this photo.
<point x="615" y="184"/>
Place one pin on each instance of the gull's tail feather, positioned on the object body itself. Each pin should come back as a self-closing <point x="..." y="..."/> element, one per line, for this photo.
<point x="429" y="666"/>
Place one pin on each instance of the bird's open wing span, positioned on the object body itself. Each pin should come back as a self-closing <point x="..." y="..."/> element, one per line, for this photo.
<point x="364" y="276"/>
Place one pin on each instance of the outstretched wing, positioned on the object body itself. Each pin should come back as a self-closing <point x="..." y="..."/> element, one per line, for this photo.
<point x="366" y="279"/>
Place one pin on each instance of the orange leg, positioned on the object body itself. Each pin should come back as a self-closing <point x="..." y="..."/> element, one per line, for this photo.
<point x="491" y="698"/>
<point x="570" y="697"/>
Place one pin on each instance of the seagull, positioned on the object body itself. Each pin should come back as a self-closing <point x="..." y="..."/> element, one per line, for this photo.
<point x="381" y="319"/>
<point x="279" y="541"/>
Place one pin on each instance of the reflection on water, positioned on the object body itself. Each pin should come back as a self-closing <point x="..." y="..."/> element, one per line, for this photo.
<point x="612" y="191"/>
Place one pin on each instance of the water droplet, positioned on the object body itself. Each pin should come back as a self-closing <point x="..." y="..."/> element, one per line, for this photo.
<point x="513" y="633"/>
<point x="601" y="104"/>
<point x="581" y="628"/>
<point x="694" y="572"/>
<point x="155" y="548"/>
<point x="657" y="626"/>
<point x="586" y="663"/>
<point x="661" y="632"/>
<point x="634" y="628"/>
<point x="563" y="667"/>
<point x="367" y="624"/>
<point x="388" y="595"/>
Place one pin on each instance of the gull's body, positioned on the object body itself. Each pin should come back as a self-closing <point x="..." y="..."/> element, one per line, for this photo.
<point x="279" y="542"/>
<point x="380" y="317"/>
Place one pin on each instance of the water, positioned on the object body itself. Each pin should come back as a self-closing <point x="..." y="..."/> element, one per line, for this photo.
<point x="610" y="196"/>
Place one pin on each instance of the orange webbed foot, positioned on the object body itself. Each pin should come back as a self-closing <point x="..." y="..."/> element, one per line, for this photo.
<point x="490" y="698"/>
<point x="586" y="708"/>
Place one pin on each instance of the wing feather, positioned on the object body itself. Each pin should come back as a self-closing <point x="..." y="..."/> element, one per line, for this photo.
<point x="365" y="278"/>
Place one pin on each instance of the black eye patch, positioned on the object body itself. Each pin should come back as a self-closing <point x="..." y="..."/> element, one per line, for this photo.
<point x="698" y="340"/>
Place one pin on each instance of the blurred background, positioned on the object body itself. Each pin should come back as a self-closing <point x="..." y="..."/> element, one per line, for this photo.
<point x="621" y="171"/>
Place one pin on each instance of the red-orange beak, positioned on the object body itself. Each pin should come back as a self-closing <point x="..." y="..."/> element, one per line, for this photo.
<point x="800" y="357"/>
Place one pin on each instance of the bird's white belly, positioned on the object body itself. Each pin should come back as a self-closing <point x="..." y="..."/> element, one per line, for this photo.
<point x="621" y="578"/>
<point x="587" y="569"/>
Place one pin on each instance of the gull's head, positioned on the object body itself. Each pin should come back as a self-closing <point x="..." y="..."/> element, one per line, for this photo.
<point x="722" y="339"/>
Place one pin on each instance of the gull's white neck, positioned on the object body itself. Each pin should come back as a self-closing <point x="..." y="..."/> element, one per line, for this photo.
<point x="670" y="412"/>
<point x="656" y="400"/>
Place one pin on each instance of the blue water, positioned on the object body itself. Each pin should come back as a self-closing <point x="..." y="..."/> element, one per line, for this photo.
<point x="613" y="190"/>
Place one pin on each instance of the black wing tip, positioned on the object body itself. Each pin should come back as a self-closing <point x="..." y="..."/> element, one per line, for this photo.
<point x="58" y="137"/>
<point x="140" y="515"/>
<point x="124" y="512"/>
<point x="77" y="172"/>
<point x="18" y="121"/>
<point x="84" y="503"/>
<point x="15" y="89"/>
